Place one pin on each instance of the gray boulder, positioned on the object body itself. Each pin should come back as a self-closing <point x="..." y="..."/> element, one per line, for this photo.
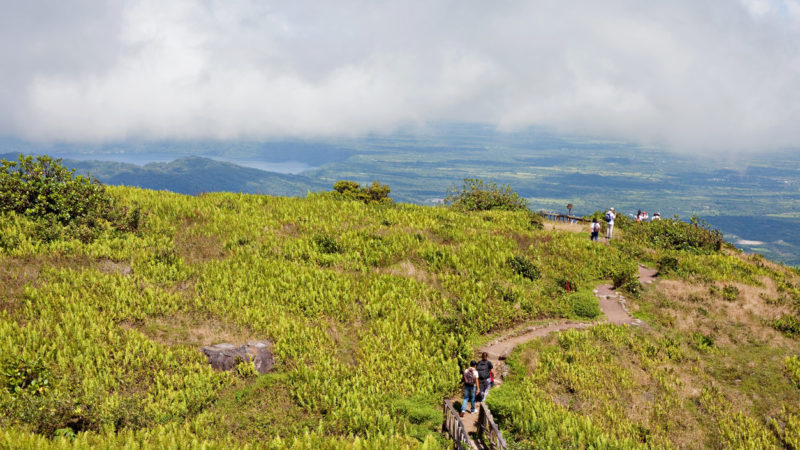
<point x="227" y="356"/>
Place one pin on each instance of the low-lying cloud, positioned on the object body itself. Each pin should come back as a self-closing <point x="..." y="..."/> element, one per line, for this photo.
<point x="686" y="74"/>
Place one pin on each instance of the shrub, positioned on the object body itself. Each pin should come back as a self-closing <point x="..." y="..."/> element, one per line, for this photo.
<point x="326" y="244"/>
<point x="787" y="324"/>
<point x="62" y="203"/>
<point x="702" y="342"/>
<point x="374" y="193"/>
<point x="584" y="304"/>
<point x="730" y="293"/>
<point x="521" y="266"/>
<point x="23" y="375"/>
<point x="477" y="195"/>
<point x="673" y="234"/>
<point x="667" y="264"/>
<point x="626" y="277"/>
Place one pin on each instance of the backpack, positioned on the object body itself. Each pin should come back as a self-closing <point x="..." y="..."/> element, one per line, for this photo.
<point x="469" y="377"/>
<point x="608" y="216"/>
<point x="483" y="369"/>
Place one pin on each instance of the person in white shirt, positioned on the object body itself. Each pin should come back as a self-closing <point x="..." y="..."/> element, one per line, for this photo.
<point x="610" y="216"/>
<point x="595" y="229"/>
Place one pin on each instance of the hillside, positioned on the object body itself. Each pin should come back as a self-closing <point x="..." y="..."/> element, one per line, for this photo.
<point x="194" y="175"/>
<point x="371" y="310"/>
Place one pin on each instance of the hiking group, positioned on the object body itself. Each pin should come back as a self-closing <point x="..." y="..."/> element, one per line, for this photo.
<point x="595" y="227"/>
<point x="478" y="380"/>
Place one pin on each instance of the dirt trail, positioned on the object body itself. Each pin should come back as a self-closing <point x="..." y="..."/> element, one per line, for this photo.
<point x="613" y="305"/>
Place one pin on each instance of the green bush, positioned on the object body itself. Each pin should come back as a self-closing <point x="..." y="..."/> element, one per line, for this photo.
<point x="22" y="375"/>
<point x="673" y="234"/>
<point x="584" y="304"/>
<point x="63" y="204"/>
<point x="521" y="266"/>
<point x="730" y="293"/>
<point x="787" y="324"/>
<point x="667" y="264"/>
<point x="477" y="195"/>
<point x="327" y="244"/>
<point x="626" y="276"/>
<point x="374" y="193"/>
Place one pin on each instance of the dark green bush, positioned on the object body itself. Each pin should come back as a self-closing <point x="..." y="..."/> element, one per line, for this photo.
<point x="327" y="244"/>
<point x="672" y="234"/>
<point x="702" y="341"/>
<point x="521" y="266"/>
<point x="61" y="203"/>
<point x="477" y="195"/>
<point x="25" y="376"/>
<point x="374" y="193"/>
<point x="584" y="304"/>
<point x="626" y="277"/>
<point x="667" y="264"/>
<point x="730" y="293"/>
<point x="788" y="324"/>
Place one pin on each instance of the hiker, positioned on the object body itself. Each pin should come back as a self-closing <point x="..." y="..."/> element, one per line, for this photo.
<point x="656" y="216"/>
<point x="638" y="216"/>
<point x="485" y="373"/>
<point x="610" y="216"/>
<point x="470" y="387"/>
<point x="595" y="228"/>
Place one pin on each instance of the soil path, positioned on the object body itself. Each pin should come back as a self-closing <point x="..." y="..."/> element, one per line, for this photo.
<point x="613" y="306"/>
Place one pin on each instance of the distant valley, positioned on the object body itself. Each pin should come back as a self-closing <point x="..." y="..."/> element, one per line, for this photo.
<point x="753" y="201"/>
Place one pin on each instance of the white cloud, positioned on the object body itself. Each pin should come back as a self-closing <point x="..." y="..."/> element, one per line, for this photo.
<point x="689" y="75"/>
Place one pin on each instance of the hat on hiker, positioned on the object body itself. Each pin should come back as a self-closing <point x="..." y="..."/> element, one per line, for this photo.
<point x="611" y="209"/>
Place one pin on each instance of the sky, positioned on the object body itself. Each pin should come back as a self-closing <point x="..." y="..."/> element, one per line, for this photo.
<point x="716" y="76"/>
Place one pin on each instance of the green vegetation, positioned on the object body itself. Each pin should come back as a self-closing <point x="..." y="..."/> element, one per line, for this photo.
<point x="372" y="308"/>
<point x="57" y="202"/>
<point x="673" y="234"/>
<point x="477" y="195"/>
<point x="374" y="193"/>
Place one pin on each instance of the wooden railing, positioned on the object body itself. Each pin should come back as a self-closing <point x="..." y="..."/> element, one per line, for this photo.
<point x="488" y="430"/>
<point x="454" y="427"/>
<point x="557" y="217"/>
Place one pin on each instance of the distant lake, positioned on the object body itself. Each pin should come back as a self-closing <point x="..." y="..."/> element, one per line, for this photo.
<point x="140" y="159"/>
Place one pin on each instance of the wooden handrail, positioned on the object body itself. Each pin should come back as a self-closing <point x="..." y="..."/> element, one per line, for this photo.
<point x="558" y="217"/>
<point x="454" y="427"/>
<point x="488" y="429"/>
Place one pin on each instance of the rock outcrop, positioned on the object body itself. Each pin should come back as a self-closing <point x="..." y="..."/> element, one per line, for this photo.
<point x="227" y="356"/>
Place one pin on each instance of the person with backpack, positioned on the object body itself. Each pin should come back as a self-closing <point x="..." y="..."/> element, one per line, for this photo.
<point x="485" y="372"/>
<point x="610" y="216"/>
<point x="595" y="229"/>
<point x="471" y="387"/>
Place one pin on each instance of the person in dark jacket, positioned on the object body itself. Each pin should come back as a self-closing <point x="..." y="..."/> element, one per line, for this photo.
<point x="485" y="373"/>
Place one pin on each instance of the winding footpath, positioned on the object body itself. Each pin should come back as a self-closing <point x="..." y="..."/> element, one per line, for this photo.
<point x="612" y="304"/>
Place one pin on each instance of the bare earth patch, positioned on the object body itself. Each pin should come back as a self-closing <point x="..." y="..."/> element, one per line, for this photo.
<point x="111" y="267"/>
<point x="196" y="248"/>
<point x="407" y="269"/>
<point x="190" y="330"/>
<point x="16" y="273"/>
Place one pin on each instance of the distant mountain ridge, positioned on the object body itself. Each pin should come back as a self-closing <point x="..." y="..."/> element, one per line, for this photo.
<point x="194" y="175"/>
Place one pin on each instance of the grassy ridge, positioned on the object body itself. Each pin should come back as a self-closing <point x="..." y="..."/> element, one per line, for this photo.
<point x="371" y="309"/>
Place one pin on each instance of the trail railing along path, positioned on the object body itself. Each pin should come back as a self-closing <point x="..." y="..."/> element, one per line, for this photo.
<point x="614" y="307"/>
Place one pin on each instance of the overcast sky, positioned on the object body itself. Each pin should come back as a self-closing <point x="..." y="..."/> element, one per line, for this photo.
<point x="711" y="75"/>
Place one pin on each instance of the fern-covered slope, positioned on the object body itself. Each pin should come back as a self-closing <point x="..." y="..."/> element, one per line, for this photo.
<point x="371" y="309"/>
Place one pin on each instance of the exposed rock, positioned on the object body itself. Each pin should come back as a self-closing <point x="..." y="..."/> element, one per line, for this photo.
<point x="226" y="356"/>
